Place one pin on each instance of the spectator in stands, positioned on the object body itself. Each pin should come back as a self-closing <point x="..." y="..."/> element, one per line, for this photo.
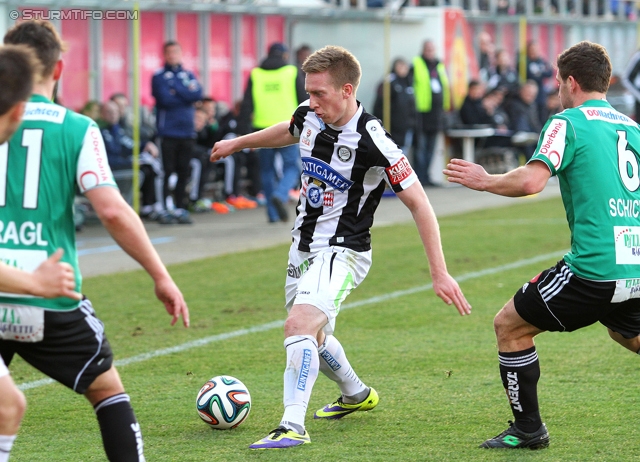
<point x="505" y="76"/>
<point x="402" y="102"/>
<point x="147" y="122"/>
<point x="538" y="70"/>
<point x="302" y="53"/>
<point x="246" y="160"/>
<point x="175" y="90"/>
<point x="274" y="90"/>
<point x="209" y="106"/>
<point x="523" y="115"/>
<point x="479" y="108"/>
<point x="119" y="147"/>
<point x="433" y="99"/>
<point x="91" y="109"/>
<point x="552" y="105"/>
<point x="487" y="56"/>
<point x="631" y="81"/>
<point x="472" y="111"/>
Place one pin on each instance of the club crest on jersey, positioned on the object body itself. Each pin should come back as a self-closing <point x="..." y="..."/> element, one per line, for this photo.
<point x="344" y="153"/>
<point x="315" y="195"/>
<point x="315" y="168"/>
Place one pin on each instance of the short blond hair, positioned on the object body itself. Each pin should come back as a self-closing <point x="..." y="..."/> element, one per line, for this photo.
<point x="341" y="65"/>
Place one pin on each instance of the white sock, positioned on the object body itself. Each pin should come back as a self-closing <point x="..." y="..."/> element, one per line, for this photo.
<point x="299" y="376"/>
<point x="6" y="442"/>
<point x="335" y="365"/>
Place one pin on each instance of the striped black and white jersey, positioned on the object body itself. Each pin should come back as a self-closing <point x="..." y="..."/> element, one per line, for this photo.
<point x="344" y="172"/>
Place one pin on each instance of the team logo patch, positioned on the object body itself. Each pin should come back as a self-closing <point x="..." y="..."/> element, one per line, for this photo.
<point x="315" y="195"/>
<point x="399" y="171"/>
<point x="344" y="153"/>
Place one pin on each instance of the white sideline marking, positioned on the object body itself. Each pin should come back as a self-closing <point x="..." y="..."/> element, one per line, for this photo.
<point x="275" y="324"/>
<point x="114" y="247"/>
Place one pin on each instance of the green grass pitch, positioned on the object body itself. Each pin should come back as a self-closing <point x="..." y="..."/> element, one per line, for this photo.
<point x="436" y="372"/>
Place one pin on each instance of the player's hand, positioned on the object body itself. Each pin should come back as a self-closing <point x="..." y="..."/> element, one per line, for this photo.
<point x="222" y="149"/>
<point x="449" y="291"/>
<point x="55" y="279"/>
<point x="169" y="294"/>
<point x="466" y="173"/>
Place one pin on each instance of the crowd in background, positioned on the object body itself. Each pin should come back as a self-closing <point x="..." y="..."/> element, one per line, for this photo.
<point x="176" y="177"/>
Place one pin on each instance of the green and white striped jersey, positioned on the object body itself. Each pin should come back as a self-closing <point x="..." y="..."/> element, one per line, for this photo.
<point x="53" y="153"/>
<point x="595" y="152"/>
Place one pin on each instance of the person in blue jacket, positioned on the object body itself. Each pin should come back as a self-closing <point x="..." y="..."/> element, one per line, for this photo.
<point x="175" y="90"/>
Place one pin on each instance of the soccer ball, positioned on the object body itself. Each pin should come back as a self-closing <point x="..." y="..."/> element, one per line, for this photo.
<point x="223" y="402"/>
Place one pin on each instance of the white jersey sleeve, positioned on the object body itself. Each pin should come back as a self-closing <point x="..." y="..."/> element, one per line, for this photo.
<point x="93" y="167"/>
<point x="398" y="172"/>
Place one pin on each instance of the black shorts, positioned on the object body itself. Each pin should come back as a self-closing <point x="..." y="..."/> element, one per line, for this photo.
<point x="558" y="300"/>
<point x="74" y="350"/>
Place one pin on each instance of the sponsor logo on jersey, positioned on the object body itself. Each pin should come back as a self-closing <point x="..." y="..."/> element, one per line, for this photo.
<point x="315" y="168"/>
<point x="399" y="171"/>
<point x="553" y="142"/>
<point x="607" y="115"/>
<point x="344" y="153"/>
<point x="44" y="111"/>
<point x="627" y="245"/>
<point x="513" y="391"/>
<point x="304" y="370"/>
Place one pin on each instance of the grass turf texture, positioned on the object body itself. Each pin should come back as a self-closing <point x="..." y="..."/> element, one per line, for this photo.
<point x="436" y="372"/>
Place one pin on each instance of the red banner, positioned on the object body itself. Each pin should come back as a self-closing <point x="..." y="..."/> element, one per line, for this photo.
<point x="114" y="67"/>
<point x="460" y="59"/>
<point x="220" y="68"/>
<point x="187" y="32"/>
<point x="74" y="86"/>
<point x="248" y="58"/>
<point x="274" y="31"/>
<point x="151" y="60"/>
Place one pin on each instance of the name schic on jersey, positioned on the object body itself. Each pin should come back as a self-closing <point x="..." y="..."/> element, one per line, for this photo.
<point x="344" y="173"/>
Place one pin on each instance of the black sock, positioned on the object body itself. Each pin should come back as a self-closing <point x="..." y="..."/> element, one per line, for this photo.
<point x="520" y="371"/>
<point x="120" y="430"/>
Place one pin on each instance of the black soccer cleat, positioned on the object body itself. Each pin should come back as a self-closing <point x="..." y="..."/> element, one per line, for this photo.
<point x="513" y="438"/>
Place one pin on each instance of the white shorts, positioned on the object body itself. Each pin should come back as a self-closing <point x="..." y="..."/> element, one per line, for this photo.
<point x="324" y="279"/>
<point x="3" y="369"/>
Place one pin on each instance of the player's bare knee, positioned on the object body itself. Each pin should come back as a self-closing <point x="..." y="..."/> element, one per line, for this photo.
<point x="12" y="409"/>
<point x="104" y="386"/>
<point x="294" y="325"/>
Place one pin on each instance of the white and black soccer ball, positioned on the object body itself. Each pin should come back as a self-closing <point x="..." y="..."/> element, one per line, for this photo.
<point x="223" y="402"/>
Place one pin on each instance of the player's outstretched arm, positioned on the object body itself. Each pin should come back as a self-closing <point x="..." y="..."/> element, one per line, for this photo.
<point x="444" y="285"/>
<point x="127" y="229"/>
<point x="50" y="280"/>
<point x="523" y="181"/>
<point x="275" y="136"/>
